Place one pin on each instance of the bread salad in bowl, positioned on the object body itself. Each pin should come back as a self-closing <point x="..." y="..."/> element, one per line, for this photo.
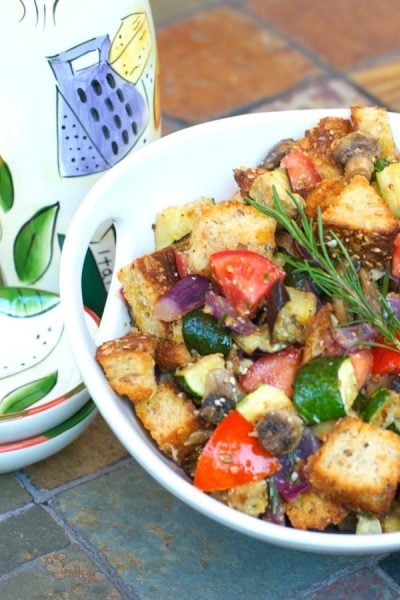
<point x="248" y="356"/>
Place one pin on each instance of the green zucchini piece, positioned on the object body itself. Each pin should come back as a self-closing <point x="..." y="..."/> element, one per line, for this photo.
<point x="382" y="408"/>
<point x="325" y="388"/>
<point x="192" y="378"/>
<point x="367" y="524"/>
<point x="255" y="405"/>
<point x="389" y="187"/>
<point x="204" y="334"/>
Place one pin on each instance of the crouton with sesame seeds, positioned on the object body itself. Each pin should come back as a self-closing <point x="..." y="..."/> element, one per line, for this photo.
<point x="144" y="281"/>
<point x="128" y="363"/>
<point x="170" y="417"/>
<point x="319" y="141"/>
<point x="311" y="510"/>
<point x="229" y="225"/>
<point x="374" y="122"/>
<point x="358" y="466"/>
<point x="363" y="222"/>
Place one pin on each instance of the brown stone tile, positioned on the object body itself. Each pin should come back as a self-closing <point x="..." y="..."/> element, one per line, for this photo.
<point x="382" y="80"/>
<point x="220" y="60"/>
<point x="341" y="32"/>
<point x="96" y="448"/>
<point x="174" y="9"/>
<point x="319" y="94"/>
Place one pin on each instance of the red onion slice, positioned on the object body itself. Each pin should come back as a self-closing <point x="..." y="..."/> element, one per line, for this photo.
<point x="221" y="308"/>
<point x="352" y="336"/>
<point x="187" y="294"/>
<point x="394" y="303"/>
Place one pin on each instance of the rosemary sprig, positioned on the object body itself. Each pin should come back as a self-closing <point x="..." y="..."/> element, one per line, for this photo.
<point x="335" y="277"/>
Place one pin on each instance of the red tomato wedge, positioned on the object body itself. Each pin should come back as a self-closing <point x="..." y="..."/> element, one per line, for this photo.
<point x="362" y="365"/>
<point x="245" y="277"/>
<point x="301" y="170"/>
<point x="277" y="369"/>
<point x="396" y="256"/>
<point x="385" y="360"/>
<point x="232" y="457"/>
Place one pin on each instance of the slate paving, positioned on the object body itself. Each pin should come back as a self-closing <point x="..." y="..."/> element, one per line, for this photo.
<point x="89" y="522"/>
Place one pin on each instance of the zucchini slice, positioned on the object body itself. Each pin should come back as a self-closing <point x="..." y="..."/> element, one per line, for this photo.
<point x="389" y="187"/>
<point x="192" y="378"/>
<point x="382" y="408"/>
<point x="204" y="334"/>
<point x="325" y="388"/>
<point x="263" y="400"/>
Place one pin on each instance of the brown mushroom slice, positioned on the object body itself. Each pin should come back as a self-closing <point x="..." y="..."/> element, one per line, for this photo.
<point x="276" y="153"/>
<point x="280" y="431"/>
<point x="356" y="152"/>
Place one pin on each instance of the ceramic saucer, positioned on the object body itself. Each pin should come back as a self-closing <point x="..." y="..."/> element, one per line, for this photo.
<point x="40" y="384"/>
<point x="17" y="455"/>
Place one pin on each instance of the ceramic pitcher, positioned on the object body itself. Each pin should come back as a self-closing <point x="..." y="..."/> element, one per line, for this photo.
<point x="78" y="92"/>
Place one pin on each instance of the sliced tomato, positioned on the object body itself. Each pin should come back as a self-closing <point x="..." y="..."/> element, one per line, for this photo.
<point x="233" y="456"/>
<point x="362" y="365"/>
<point x="182" y="263"/>
<point x="245" y="277"/>
<point x="301" y="170"/>
<point x="385" y="360"/>
<point x="277" y="369"/>
<point x="396" y="256"/>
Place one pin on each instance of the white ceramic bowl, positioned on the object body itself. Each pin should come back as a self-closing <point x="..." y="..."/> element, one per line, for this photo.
<point x="194" y="162"/>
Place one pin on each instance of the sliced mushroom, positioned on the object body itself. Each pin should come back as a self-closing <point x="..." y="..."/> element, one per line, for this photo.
<point x="356" y="152"/>
<point x="280" y="431"/>
<point x="276" y="153"/>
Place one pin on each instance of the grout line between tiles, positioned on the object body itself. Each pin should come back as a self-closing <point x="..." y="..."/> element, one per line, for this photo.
<point x="97" y="557"/>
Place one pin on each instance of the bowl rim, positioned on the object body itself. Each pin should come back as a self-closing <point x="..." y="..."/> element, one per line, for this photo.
<point x="150" y="458"/>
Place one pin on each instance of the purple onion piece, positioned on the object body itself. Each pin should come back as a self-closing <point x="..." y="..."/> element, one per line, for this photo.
<point x="352" y="336"/>
<point x="275" y="512"/>
<point x="187" y="294"/>
<point x="221" y="308"/>
<point x="290" y="481"/>
<point x="394" y="303"/>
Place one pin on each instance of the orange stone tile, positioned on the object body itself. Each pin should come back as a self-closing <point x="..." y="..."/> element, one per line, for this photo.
<point x="95" y="449"/>
<point x="382" y="80"/>
<point x="341" y="32"/>
<point x="219" y="61"/>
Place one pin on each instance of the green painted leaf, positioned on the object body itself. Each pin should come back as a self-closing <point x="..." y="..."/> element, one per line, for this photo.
<point x="6" y="187"/>
<point x="26" y="302"/>
<point x="28" y="394"/>
<point x="84" y="412"/>
<point x="93" y="290"/>
<point x="33" y="246"/>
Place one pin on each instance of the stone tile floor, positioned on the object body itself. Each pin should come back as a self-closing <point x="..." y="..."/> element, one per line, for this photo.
<point x="89" y="522"/>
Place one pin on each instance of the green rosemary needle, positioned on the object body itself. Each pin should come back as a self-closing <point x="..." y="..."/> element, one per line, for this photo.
<point x="336" y="276"/>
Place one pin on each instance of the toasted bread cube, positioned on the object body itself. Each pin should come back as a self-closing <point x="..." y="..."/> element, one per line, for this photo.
<point x="323" y="194"/>
<point x="229" y="225"/>
<point x="144" y="281"/>
<point x="318" y="143"/>
<point x="175" y="222"/>
<point x="128" y="363"/>
<point x="374" y="122"/>
<point x="170" y="355"/>
<point x="310" y="510"/>
<point x="246" y="176"/>
<point x="170" y="418"/>
<point x="357" y="466"/>
<point x="364" y="223"/>
<point x="250" y="498"/>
